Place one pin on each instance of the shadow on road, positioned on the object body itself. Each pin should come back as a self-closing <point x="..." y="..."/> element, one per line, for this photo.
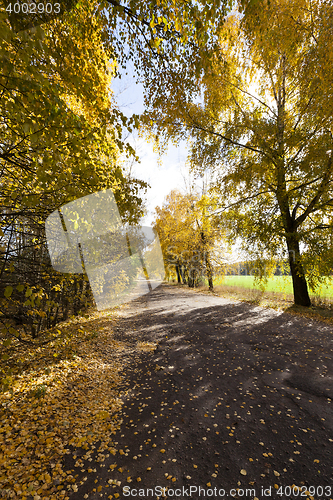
<point x="234" y="396"/>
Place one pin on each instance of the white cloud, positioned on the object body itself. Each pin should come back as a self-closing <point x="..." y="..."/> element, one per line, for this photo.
<point x="162" y="178"/>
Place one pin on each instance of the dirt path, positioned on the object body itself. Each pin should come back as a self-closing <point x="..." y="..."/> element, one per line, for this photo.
<point x="235" y="396"/>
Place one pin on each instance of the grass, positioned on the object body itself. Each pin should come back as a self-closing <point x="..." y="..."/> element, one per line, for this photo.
<point x="278" y="294"/>
<point x="278" y="284"/>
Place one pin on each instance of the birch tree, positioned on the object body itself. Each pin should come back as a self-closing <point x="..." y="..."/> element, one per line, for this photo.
<point x="264" y="126"/>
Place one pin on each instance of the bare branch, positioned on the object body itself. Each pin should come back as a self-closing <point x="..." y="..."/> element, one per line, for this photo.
<point x="321" y="189"/>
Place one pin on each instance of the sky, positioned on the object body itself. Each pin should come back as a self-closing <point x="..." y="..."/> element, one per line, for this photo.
<point x="172" y="174"/>
<point x="162" y="178"/>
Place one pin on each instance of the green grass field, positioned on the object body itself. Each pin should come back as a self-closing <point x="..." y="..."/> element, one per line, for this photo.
<point x="282" y="284"/>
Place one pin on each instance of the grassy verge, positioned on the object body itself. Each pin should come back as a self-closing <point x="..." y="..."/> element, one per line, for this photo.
<point x="277" y="284"/>
<point x="59" y="397"/>
<point x="321" y="308"/>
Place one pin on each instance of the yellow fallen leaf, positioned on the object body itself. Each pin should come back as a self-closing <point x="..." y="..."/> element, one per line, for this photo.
<point x="243" y="472"/>
<point x="103" y="415"/>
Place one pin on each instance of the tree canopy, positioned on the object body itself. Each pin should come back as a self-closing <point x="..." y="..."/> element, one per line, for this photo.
<point x="263" y="124"/>
<point x="188" y="237"/>
<point x="61" y="138"/>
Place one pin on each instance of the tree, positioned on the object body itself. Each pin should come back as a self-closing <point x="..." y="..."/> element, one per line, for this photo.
<point x="264" y="126"/>
<point x="61" y="138"/>
<point x="207" y="234"/>
<point x="157" y="31"/>
<point x="187" y="237"/>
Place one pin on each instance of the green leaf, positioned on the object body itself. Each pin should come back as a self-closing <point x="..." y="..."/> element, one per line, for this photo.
<point x="13" y="332"/>
<point x="26" y="128"/>
<point x="20" y="288"/>
<point x="8" y="291"/>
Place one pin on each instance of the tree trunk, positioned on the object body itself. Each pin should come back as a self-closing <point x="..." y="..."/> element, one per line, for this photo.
<point x="75" y="297"/>
<point x="301" y="294"/>
<point x="208" y="265"/>
<point x="191" y="278"/>
<point x="209" y="271"/>
<point x="183" y="273"/>
<point x="178" y="274"/>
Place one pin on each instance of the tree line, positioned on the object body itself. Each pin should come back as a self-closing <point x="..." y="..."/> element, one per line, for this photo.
<point x="63" y="136"/>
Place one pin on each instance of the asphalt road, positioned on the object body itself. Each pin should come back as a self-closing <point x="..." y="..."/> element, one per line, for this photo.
<point x="234" y="396"/>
